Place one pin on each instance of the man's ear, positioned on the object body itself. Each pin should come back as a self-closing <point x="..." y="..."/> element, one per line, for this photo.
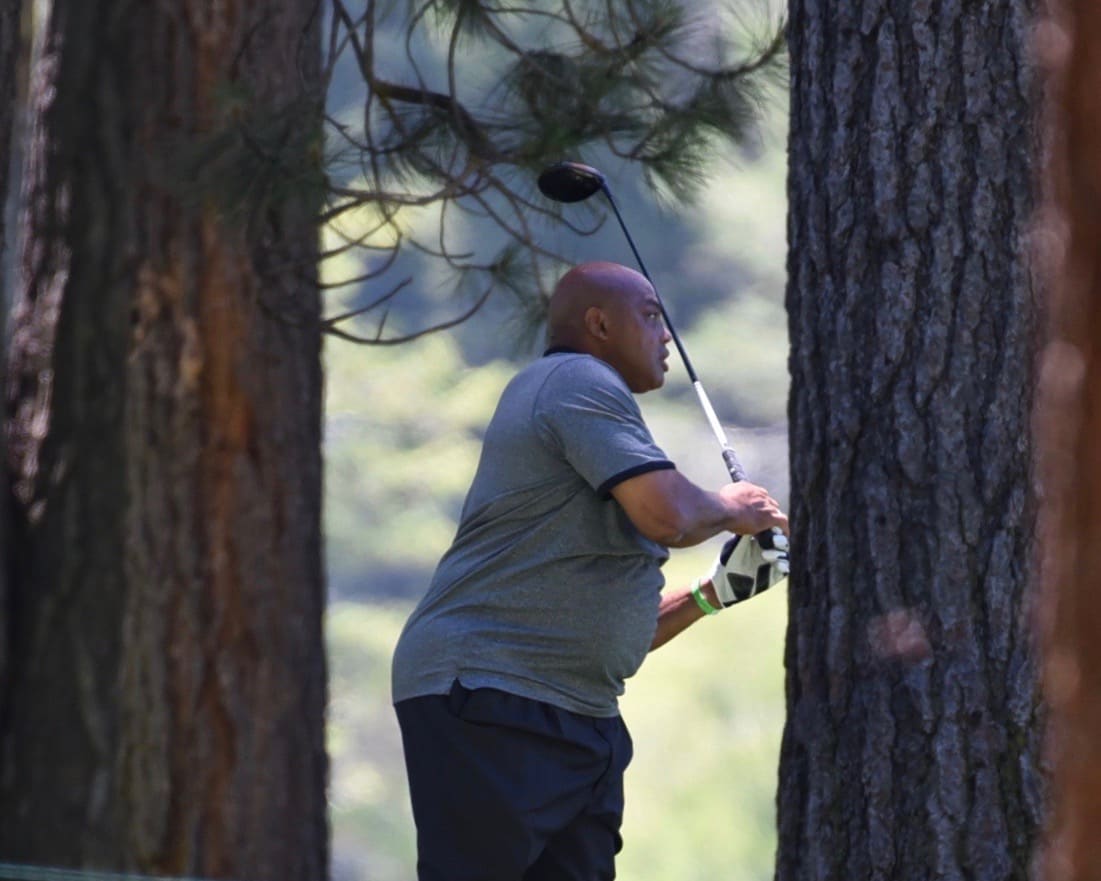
<point x="595" y="323"/>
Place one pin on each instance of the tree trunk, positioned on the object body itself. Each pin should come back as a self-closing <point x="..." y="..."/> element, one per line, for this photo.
<point x="164" y="708"/>
<point x="1069" y="418"/>
<point x="911" y="747"/>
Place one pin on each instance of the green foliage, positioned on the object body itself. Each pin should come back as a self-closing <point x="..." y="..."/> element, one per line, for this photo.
<point x="404" y="430"/>
<point x="373" y="833"/>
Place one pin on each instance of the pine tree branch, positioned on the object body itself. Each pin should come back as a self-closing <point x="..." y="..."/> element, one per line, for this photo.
<point x="328" y="327"/>
<point x="628" y="79"/>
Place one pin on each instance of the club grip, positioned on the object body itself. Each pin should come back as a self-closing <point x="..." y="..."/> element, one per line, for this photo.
<point x="733" y="466"/>
<point x="737" y="474"/>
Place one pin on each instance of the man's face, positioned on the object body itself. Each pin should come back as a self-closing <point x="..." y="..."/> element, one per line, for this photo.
<point x="637" y="338"/>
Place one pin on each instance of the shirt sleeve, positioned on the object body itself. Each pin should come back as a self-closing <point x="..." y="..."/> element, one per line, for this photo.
<point x="588" y="414"/>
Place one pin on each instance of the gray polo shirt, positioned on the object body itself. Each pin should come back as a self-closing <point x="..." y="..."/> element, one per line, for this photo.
<point x="548" y="591"/>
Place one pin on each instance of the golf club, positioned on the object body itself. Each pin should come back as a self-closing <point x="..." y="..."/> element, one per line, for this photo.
<point x="574" y="182"/>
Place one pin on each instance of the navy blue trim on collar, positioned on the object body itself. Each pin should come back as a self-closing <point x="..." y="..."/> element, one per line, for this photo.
<point x="561" y="350"/>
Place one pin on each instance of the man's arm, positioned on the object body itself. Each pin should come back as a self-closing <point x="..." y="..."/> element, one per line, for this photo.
<point x="668" y="508"/>
<point x="745" y="567"/>
<point x="678" y="610"/>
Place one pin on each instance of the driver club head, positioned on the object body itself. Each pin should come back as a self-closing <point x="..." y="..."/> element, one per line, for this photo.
<point x="570" y="181"/>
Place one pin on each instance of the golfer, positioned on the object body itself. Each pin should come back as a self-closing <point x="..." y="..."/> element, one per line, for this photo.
<point x="507" y="674"/>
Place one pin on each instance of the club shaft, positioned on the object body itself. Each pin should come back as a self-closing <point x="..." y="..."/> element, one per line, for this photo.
<point x="661" y="303"/>
<point x="730" y="458"/>
<point x="733" y="465"/>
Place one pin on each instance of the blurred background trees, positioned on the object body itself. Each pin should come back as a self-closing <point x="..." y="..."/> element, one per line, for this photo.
<point x="1068" y="41"/>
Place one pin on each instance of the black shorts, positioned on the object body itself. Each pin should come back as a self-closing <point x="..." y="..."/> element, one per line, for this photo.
<point x="509" y="789"/>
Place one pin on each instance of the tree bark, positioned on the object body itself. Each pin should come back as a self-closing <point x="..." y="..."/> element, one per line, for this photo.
<point x="1068" y="415"/>
<point x="911" y="746"/>
<point x="164" y="705"/>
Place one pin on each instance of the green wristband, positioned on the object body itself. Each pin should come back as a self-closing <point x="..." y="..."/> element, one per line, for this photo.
<point x="701" y="600"/>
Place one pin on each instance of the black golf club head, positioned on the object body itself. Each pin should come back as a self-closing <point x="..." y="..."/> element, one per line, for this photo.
<point x="570" y="182"/>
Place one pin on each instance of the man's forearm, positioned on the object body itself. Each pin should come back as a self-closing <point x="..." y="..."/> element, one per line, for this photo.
<point x="679" y="610"/>
<point x="668" y="508"/>
<point x="706" y="517"/>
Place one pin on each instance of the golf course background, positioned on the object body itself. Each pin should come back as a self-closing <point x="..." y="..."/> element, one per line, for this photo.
<point x="403" y="431"/>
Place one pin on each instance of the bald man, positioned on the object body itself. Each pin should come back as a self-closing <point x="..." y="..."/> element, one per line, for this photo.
<point x="507" y="675"/>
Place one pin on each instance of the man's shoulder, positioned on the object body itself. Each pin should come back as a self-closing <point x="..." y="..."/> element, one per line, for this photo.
<point x="576" y="368"/>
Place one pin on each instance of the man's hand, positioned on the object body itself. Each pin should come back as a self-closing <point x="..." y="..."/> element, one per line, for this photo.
<point x="748" y="565"/>
<point x="751" y="510"/>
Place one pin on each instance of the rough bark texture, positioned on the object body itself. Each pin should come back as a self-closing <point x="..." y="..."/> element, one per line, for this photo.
<point x="164" y="708"/>
<point x="1069" y="419"/>
<point x="910" y="750"/>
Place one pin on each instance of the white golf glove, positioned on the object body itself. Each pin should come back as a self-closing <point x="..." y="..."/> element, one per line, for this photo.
<point x="748" y="565"/>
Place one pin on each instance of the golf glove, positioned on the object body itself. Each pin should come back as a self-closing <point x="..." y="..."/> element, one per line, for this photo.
<point x="748" y="565"/>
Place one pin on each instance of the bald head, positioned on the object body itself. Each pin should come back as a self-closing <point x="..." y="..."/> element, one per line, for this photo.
<point x="601" y="285"/>
<point x="612" y="312"/>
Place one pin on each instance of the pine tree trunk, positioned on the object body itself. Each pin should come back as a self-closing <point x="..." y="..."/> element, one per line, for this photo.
<point x="911" y="747"/>
<point x="164" y="709"/>
<point x="1069" y="417"/>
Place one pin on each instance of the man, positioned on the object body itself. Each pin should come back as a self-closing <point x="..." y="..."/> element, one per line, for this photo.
<point x="507" y="674"/>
